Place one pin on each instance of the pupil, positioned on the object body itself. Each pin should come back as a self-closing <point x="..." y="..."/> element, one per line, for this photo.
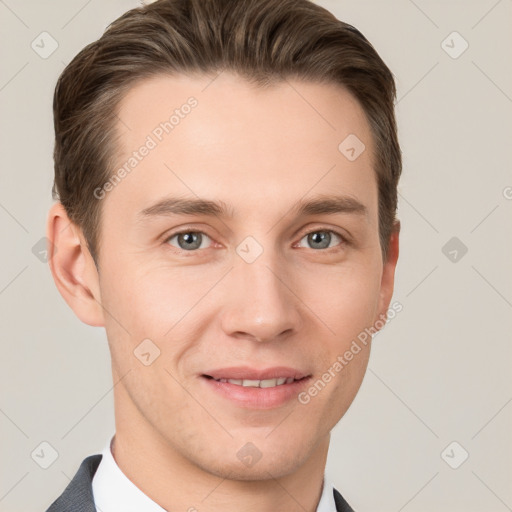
<point x="191" y="240"/>
<point x="320" y="237"/>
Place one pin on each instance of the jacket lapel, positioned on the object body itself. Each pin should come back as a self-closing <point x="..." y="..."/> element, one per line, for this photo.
<point x="341" y="504"/>
<point x="77" y="496"/>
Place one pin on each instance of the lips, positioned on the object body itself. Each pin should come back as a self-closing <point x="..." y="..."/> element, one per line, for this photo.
<point x="256" y="388"/>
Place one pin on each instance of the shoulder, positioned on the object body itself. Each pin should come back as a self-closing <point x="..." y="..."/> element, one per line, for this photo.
<point x="77" y="496"/>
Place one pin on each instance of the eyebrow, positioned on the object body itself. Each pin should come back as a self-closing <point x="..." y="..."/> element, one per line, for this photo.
<point x="324" y="204"/>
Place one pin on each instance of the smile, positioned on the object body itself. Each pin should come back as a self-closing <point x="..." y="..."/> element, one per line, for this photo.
<point x="252" y="383"/>
<point x="256" y="388"/>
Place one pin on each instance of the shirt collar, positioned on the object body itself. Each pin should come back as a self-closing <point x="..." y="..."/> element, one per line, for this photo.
<point x="114" y="491"/>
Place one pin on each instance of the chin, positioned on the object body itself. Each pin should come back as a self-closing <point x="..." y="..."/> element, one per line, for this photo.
<point x="260" y="459"/>
<point x="262" y="470"/>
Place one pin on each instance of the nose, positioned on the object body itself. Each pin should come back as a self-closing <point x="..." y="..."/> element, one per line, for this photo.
<point x="261" y="304"/>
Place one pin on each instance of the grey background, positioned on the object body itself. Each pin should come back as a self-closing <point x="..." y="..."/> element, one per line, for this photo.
<point x="439" y="372"/>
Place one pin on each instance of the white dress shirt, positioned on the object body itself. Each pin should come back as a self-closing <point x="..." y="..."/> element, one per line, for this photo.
<point x="113" y="491"/>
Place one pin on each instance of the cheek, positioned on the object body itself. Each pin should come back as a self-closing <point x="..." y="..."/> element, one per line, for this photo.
<point x="148" y="297"/>
<point x="345" y="298"/>
<point x="154" y="303"/>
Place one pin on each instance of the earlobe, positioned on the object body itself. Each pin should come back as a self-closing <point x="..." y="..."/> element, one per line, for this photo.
<point x="72" y="267"/>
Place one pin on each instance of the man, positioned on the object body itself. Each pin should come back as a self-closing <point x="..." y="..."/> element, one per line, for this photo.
<point x="227" y="181"/>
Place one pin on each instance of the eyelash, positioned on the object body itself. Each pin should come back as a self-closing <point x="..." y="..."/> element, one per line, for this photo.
<point x="344" y="240"/>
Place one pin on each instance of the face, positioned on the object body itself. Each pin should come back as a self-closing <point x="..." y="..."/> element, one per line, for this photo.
<point x="205" y="305"/>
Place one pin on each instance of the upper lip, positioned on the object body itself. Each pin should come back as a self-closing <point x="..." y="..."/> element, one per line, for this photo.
<point x="246" y="372"/>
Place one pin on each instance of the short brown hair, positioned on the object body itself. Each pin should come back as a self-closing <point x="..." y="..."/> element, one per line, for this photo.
<point x="264" y="41"/>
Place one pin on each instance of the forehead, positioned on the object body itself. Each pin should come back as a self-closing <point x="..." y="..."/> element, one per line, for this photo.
<point x="229" y="101"/>
<point x="222" y="136"/>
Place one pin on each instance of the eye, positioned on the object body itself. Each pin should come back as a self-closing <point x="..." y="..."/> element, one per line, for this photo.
<point x="322" y="238"/>
<point x="188" y="240"/>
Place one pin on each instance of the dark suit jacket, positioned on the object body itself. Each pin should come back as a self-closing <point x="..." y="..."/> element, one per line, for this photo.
<point x="78" y="497"/>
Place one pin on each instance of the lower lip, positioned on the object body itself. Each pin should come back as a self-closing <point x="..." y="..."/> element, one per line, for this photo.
<point x="257" y="398"/>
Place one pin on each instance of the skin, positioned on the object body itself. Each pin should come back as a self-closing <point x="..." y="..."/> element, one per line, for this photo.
<point x="259" y="151"/>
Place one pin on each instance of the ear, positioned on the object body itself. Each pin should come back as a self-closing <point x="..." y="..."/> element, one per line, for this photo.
<point x="388" y="274"/>
<point x="73" y="268"/>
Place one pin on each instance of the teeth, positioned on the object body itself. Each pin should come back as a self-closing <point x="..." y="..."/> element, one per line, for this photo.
<point x="269" y="383"/>
<point x="246" y="383"/>
<point x="266" y="383"/>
